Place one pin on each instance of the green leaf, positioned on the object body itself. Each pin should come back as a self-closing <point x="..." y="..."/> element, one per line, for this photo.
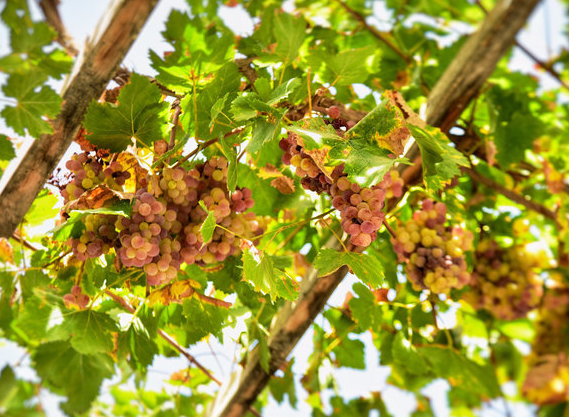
<point x="33" y="319"/>
<point x="263" y="132"/>
<point x="136" y="344"/>
<point x="316" y="134"/>
<point x="231" y="154"/>
<point x="8" y="386"/>
<point x="365" y="267"/>
<point x="290" y="33"/>
<point x="7" y="151"/>
<point x="208" y="226"/>
<point x="282" y="91"/>
<point x="31" y="106"/>
<point x="203" y="319"/>
<point x="138" y="115"/>
<point x="366" y="163"/>
<point x="441" y="162"/>
<point x="469" y="375"/>
<point x="514" y="136"/>
<point x="365" y="311"/>
<point x="43" y="208"/>
<point x="521" y="329"/>
<point x="349" y="66"/>
<point x="225" y="81"/>
<point x="279" y="386"/>
<point x="259" y="270"/>
<point x="249" y="106"/>
<point x="350" y="353"/>
<point x="75" y="375"/>
<point x="90" y="331"/>
<point x="406" y="355"/>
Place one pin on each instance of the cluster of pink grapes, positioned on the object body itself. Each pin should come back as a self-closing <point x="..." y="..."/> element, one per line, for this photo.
<point x="505" y="281"/>
<point x="164" y="229"/>
<point x="76" y="298"/>
<point x="361" y="209"/>
<point x="433" y="252"/>
<point x="89" y="171"/>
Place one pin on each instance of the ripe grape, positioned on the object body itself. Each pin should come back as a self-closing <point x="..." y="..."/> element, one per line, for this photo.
<point x="433" y="252"/>
<point x="505" y="281"/>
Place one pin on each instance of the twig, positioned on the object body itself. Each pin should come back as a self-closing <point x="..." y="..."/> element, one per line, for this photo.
<point x="17" y="236"/>
<point x="176" y="105"/>
<point x="51" y="14"/>
<point x="244" y="67"/>
<point x="512" y="195"/>
<point x="375" y="32"/>
<point x="204" y="145"/>
<point x="389" y="229"/>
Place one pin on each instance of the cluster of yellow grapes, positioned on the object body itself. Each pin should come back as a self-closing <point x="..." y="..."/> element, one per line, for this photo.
<point x="433" y="252"/>
<point x="506" y="281"/>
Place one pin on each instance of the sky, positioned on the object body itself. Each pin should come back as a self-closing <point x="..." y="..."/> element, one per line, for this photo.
<point x="543" y="36"/>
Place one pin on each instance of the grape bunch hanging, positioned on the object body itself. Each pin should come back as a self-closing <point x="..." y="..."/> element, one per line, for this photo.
<point x="168" y="211"/>
<point x="433" y="252"/>
<point x="505" y="281"/>
<point x="361" y="209"/>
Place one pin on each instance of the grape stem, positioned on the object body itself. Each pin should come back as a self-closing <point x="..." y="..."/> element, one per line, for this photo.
<point x="204" y="145"/>
<point x="389" y="229"/>
<point x="178" y="110"/>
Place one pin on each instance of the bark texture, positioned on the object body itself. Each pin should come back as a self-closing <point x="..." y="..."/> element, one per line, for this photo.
<point x="451" y="95"/>
<point x="107" y="47"/>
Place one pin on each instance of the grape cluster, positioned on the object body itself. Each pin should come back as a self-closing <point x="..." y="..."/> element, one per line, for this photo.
<point x="361" y="209"/>
<point x="76" y="298"/>
<point x="88" y="171"/>
<point x="433" y="252"/>
<point x="97" y="237"/>
<point x="547" y="380"/>
<point x="505" y="281"/>
<point x="163" y="231"/>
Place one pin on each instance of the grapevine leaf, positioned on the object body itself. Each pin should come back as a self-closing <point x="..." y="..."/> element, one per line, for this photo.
<point x="447" y="363"/>
<point x="8" y="386"/>
<point x="43" y="208"/>
<point x="208" y="226"/>
<point x="279" y="386"/>
<point x="263" y="132"/>
<point x="225" y="81"/>
<point x="75" y="375"/>
<point x="138" y="115"/>
<point x="90" y="331"/>
<point x="231" y="154"/>
<point x="365" y="311"/>
<point x="203" y="319"/>
<point x="249" y="106"/>
<point x="350" y="353"/>
<point x="7" y="151"/>
<point x="32" y="321"/>
<point x="365" y="267"/>
<point x="384" y="125"/>
<point x="137" y="345"/>
<point x="32" y="106"/>
<point x="513" y="124"/>
<point x="316" y="134"/>
<point x="290" y="33"/>
<point x="365" y="163"/>
<point x="406" y="355"/>
<point x="283" y="91"/>
<point x="349" y="66"/>
<point x="441" y="162"/>
<point x="260" y="271"/>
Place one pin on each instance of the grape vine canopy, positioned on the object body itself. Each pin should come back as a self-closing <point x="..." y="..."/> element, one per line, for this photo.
<point x="226" y="195"/>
